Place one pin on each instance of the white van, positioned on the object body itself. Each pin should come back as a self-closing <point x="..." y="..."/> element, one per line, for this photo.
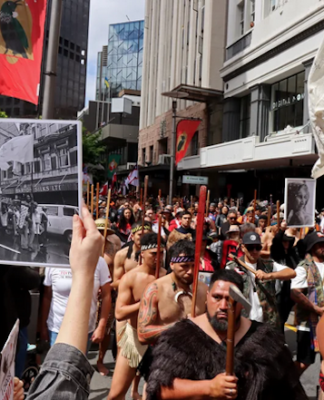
<point x="59" y="219"/>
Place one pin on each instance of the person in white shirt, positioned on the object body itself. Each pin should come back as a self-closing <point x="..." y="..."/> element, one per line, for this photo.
<point x="260" y="288"/>
<point x="57" y="288"/>
<point x="307" y="290"/>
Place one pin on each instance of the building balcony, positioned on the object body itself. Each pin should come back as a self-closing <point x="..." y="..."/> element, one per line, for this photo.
<point x="249" y="153"/>
<point x="189" y="163"/>
<point x="129" y="133"/>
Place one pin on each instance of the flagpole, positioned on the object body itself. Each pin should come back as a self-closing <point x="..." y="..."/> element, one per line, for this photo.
<point x="51" y="62"/>
<point x="173" y="144"/>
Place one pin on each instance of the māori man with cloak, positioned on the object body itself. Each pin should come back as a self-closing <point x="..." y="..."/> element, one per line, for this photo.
<point x="189" y="358"/>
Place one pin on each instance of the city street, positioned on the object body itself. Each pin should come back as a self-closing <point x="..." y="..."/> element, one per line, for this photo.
<point x="56" y="251"/>
<point x="100" y="385"/>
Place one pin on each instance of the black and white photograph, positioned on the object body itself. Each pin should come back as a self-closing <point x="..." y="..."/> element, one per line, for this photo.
<point x="300" y="197"/>
<point x="40" y="190"/>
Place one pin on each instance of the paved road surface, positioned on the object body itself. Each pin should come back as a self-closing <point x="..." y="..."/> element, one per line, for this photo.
<point x="100" y="385"/>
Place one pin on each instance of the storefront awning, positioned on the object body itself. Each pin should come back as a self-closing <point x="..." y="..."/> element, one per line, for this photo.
<point x="194" y="93"/>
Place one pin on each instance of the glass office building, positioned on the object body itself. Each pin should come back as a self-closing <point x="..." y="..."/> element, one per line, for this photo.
<point x="121" y="61"/>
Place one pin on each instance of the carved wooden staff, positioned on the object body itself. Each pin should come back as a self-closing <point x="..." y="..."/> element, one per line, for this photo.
<point x="144" y="201"/>
<point x="191" y="202"/>
<point x="158" y="258"/>
<point x="207" y="203"/>
<point x="97" y="198"/>
<point x="278" y="213"/>
<point x="269" y="216"/>
<point x="159" y="198"/>
<point x="106" y="222"/>
<point x="92" y="204"/>
<point x="254" y="205"/>
<point x="199" y="237"/>
<point x="235" y="296"/>
<point x="141" y="199"/>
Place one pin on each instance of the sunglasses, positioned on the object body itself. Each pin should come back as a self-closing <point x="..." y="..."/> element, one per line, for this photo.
<point x="232" y="218"/>
<point x="252" y="247"/>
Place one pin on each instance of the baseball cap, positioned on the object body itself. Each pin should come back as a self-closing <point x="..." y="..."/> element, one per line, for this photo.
<point x="233" y="229"/>
<point x="251" y="238"/>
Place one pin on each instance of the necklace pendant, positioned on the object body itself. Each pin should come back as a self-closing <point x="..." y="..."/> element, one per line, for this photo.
<point x="174" y="286"/>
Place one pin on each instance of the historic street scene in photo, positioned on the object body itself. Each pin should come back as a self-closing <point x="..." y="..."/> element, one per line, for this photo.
<point x="39" y="190"/>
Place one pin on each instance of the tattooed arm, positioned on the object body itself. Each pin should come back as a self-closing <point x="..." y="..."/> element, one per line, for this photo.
<point x="147" y="329"/>
<point x="298" y="296"/>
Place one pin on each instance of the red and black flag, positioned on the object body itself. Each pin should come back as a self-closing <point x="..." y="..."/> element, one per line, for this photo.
<point x="21" y="47"/>
<point x="185" y="131"/>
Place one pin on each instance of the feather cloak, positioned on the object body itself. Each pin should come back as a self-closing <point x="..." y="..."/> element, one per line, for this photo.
<point x="263" y="363"/>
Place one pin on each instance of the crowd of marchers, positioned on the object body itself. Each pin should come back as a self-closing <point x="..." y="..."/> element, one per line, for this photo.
<point x="145" y="309"/>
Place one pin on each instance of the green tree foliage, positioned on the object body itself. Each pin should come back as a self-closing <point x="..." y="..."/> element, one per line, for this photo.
<point x="93" y="150"/>
<point x="3" y="114"/>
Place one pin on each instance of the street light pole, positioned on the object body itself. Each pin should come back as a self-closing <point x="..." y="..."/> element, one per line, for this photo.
<point x="51" y="60"/>
<point x="173" y="145"/>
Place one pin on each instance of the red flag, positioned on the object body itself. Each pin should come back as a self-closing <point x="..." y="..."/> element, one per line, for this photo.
<point x="185" y="131"/>
<point x="21" y="47"/>
<point x="104" y="190"/>
<point x="114" y="180"/>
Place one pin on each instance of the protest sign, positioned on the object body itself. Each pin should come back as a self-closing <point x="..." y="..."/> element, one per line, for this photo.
<point x="7" y="364"/>
<point x="40" y="190"/>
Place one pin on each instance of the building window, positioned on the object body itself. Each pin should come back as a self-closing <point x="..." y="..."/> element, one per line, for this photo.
<point x="64" y="158"/>
<point x="252" y="11"/>
<point x="47" y="162"/>
<point x="269" y="7"/>
<point x="245" y="116"/>
<point x="151" y="153"/>
<point x="143" y="156"/>
<point x="241" y="18"/>
<point x="288" y="102"/>
<point x="195" y="144"/>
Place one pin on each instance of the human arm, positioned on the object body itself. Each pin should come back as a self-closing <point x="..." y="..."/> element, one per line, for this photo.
<point x="280" y="272"/>
<point x="124" y="307"/>
<point x="147" y="329"/>
<point x="299" y="297"/>
<point x="320" y="335"/>
<point x="221" y="387"/>
<point x="99" y="333"/>
<point x="119" y="269"/>
<point x="57" y="379"/>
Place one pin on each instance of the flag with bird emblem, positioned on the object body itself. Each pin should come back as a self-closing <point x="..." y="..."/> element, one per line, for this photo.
<point x="113" y="162"/>
<point x="185" y="131"/>
<point x="21" y="47"/>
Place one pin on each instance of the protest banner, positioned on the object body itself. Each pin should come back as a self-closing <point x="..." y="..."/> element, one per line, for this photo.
<point x="40" y="190"/>
<point x="7" y="364"/>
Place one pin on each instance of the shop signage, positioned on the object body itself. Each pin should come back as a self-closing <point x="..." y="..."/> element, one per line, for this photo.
<point x="195" y="180"/>
<point x="288" y="101"/>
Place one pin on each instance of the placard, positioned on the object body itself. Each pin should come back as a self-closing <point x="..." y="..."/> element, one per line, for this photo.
<point x="300" y="197"/>
<point x="7" y="364"/>
<point x="40" y="190"/>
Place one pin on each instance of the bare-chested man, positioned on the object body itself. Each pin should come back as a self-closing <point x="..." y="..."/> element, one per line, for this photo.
<point x="130" y="290"/>
<point x="168" y="299"/>
<point x="125" y="259"/>
<point x="112" y="246"/>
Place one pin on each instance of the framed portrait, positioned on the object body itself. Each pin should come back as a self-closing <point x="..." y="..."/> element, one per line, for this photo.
<point x="40" y="190"/>
<point x="300" y="195"/>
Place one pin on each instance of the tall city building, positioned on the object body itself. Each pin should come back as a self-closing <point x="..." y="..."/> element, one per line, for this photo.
<point x="71" y="69"/>
<point x="184" y="46"/>
<point x="266" y="132"/>
<point x="121" y="61"/>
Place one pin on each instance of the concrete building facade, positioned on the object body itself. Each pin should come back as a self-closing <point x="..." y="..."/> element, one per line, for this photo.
<point x="183" y="52"/>
<point x="266" y="135"/>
